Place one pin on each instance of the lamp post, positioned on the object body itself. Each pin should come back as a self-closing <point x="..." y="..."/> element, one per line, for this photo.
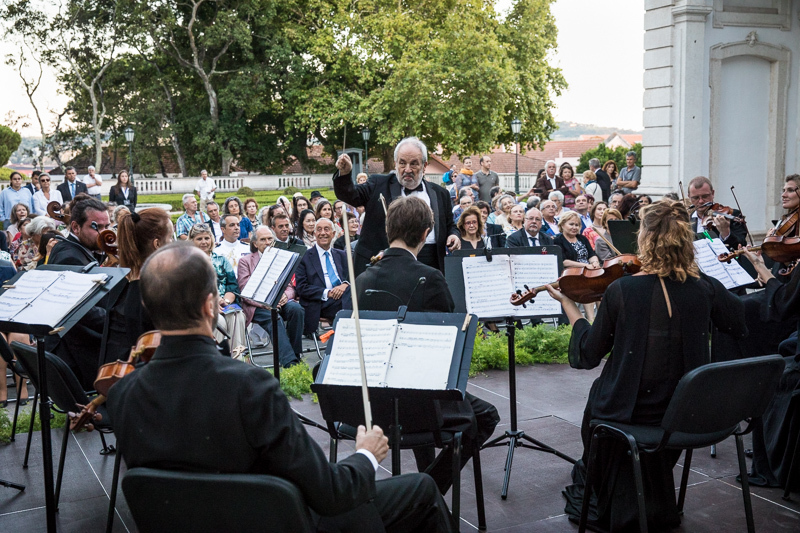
<point x="516" y="126"/>
<point x="365" y="136"/>
<point x="129" y="135"/>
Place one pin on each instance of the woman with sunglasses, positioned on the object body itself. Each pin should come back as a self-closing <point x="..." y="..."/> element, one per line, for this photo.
<point x="45" y="195"/>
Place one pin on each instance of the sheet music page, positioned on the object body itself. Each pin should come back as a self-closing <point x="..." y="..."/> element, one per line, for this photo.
<point x="50" y="297"/>
<point x="26" y="289"/>
<point x="422" y="356"/>
<point x="487" y="286"/>
<point x="534" y="271"/>
<point x="266" y="274"/>
<point x="730" y="275"/>
<point x="377" y="339"/>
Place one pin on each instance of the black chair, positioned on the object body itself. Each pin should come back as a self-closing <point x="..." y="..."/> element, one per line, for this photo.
<point x="66" y="393"/>
<point x="794" y="411"/>
<point x="8" y="356"/>
<point x="421" y="427"/>
<point x="706" y="408"/>
<point x="162" y="500"/>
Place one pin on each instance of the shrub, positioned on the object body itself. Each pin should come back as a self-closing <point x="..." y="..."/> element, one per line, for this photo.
<point x="5" y="173"/>
<point x="288" y="192"/>
<point x="539" y="344"/>
<point x="296" y="380"/>
<point x="59" y="420"/>
<point x="245" y="192"/>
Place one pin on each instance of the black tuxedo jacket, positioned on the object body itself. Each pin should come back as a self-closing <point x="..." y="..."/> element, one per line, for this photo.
<point x="63" y="188"/>
<point x="520" y="238"/>
<point x="604" y="181"/>
<point x="373" y="234"/>
<point x="245" y="426"/>
<point x="310" y="281"/>
<point x="496" y="235"/>
<point x="398" y="272"/>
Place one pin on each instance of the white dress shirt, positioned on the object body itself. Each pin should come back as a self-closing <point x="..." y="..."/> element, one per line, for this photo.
<point x="323" y="262"/>
<point x="422" y="195"/>
<point x="40" y="201"/>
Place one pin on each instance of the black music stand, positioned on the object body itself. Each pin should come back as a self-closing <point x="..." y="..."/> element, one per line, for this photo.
<point x="110" y="287"/>
<point x="392" y="407"/>
<point x="513" y="437"/>
<point x="624" y="235"/>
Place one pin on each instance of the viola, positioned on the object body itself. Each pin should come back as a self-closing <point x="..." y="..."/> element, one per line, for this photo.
<point x="584" y="285"/>
<point x="782" y="249"/>
<point x="107" y="242"/>
<point x="109" y="374"/>
<point x="788" y="223"/>
<point x="55" y="212"/>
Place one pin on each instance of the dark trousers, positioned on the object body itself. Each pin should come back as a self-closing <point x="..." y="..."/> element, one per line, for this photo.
<point x="429" y="255"/>
<point x="408" y="503"/>
<point x="476" y="419"/>
<point x="330" y="306"/>
<point x="290" y="330"/>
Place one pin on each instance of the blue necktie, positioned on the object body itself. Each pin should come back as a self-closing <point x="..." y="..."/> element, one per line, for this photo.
<point x="331" y="273"/>
<point x="72" y="189"/>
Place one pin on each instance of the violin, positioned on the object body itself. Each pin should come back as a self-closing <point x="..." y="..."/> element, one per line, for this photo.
<point x="54" y="211"/>
<point x="779" y="248"/>
<point x="107" y="242"/>
<point x="788" y="223"/>
<point x="724" y="211"/>
<point x="584" y="285"/>
<point x="109" y="374"/>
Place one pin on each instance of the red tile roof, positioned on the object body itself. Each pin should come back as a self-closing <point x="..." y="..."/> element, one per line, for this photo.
<point x="502" y="163"/>
<point x="564" y="149"/>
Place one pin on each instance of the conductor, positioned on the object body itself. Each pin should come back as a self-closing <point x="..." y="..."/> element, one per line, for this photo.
<point x="247" y="425"/>
<point x="411" y="160"/>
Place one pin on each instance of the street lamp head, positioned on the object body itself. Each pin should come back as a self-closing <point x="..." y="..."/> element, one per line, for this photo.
<point x="365" y="133"/>
<point x="516" y="126"/>
<point x="129" y="134"/>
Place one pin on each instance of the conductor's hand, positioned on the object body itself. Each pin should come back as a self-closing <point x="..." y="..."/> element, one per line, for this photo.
<point x="374" y="441"/>
<point x="453" y="243"/>
<point x="344" y="165"/>
<point x="337" y="291"/>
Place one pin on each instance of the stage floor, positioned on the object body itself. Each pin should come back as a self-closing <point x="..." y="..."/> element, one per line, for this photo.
<point x="550" y="399"/>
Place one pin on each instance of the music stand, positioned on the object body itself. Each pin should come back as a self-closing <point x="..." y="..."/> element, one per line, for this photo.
<point x="110" y="287"/>
<point x="624" y="235"/>
<point x="513" y="437"/>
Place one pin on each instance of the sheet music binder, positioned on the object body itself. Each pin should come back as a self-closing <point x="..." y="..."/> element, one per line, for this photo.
<point x="276" y="268"/>
<point x="454" y="275"/>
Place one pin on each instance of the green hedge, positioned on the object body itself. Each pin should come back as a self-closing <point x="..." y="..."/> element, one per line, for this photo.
<point x="540" y="344"/>
<point x="5" y="173"/>
<point x="262" y="197"/>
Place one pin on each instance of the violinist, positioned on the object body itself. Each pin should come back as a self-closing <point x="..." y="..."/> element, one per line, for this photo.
<point x="165" y="417"/>
<point x="654" y="324"/>
<point x="790" y="201"/>
<point x="701" y="193"/>
<point x="578" y="252"/>
<point x="138" y="236"/>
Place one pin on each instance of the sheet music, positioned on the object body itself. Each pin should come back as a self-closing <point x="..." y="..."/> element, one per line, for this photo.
<point x="422" y="356"/>
<point x="266" y="274"/>
<point x="730" y="275"/>
<point x="488" y="286"/>
<point x="377" y="338"/>
<point x="534" y="271"/>
<point x="47" y="296"/>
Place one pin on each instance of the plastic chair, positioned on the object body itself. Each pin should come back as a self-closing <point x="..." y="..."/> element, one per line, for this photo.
<point x="66" y="393"/>
<point x="706" y="408"/>
<point x="162" y="500"/>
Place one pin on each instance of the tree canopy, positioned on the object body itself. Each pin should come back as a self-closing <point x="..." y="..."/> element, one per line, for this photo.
<point x="9" y="142"/>
<point x="604" y="153"/>
<point x="250" y="83"/>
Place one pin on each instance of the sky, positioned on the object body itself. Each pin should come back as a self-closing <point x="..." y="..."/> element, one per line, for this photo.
<point x="600" y="51"/>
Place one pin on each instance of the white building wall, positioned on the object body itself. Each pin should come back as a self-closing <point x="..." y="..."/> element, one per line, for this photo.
<point x="754" y="114"/>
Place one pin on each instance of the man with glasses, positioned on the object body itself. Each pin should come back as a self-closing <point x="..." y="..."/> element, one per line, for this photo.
<point x="411" y="160"/>
<point x="530" y="235"/>
<point x="701" y="194"/>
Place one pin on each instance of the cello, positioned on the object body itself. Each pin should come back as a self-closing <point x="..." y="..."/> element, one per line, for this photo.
<point x="107" y="242"/>
<point x="56" y="212"/>
<point x="109" y="374"/>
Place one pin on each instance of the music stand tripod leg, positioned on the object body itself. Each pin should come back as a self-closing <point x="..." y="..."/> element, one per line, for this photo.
<point x="276" y="363"/>
<point x="47" y="448"/>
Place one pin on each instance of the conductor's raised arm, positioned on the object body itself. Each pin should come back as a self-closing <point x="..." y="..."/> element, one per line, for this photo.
<point x="345" y="189"/>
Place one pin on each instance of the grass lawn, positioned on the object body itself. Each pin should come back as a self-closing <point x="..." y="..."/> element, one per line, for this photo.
<point x="262" y="197"/>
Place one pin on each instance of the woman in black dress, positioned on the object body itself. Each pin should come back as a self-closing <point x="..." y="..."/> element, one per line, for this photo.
<point x="138" y="236"/>
<point x="123" y="192"/>
<point x="655" y="326"/>
<point x="578" y="251"/>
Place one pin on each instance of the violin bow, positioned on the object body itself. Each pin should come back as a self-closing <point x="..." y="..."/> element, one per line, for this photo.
<point x="351" y="274"/>
<point x="383" y="202"/>
<point x="740" y="211"/>
<point x="613" y="249"/>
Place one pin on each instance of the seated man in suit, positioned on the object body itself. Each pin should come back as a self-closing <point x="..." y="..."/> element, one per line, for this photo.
<point x="290" y="313"/>
<point x="322" y="278"/>
<point x="398" y="273"/>
<point x="530" y="235"/>
<point x="80" y="347"/>
<point x="71" y="187"/>
<point x="282" y="228"/>
<point x="247" y="424"/>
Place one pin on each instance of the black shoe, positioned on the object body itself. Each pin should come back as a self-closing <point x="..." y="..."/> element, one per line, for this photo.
<point x="748" y="453"/>
<point x="290" y="365"/>
<point x="5" y="403"/>
<point x="23" y="402"/>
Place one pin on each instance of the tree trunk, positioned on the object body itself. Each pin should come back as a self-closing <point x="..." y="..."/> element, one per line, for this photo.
<point x="387" y="154"/>
<point x="176" y="146"/>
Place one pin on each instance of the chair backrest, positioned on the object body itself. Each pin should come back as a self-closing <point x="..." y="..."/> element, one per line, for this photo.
<point x="162" y="500"/>
<point x="718" y="396"/>
<point x="8" y="356"/>
<point x="62" y="385"/>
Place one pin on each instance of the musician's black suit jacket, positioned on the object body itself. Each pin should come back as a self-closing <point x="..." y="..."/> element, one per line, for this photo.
<point x="398" y="272"/>
<point x="191" y="409"/>
<point x="496" y="235"/>
<point x="373" y="233"/>
<point x="80" y="347"/>
<point x="520" y="238"/>
<point x="63" y="188"/>
<point x="310" y="283"/>
<point x="604" y="181"/>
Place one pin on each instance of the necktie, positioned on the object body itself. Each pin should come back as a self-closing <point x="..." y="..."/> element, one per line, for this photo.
<point x="331" y="272"/>
<point x="533" y="241"/>
<point x="72" y="189"/>
<point x="417" y="188"/>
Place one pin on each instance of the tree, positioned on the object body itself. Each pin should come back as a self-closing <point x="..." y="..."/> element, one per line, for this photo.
<point x="603" y="153"/>
<point x="9" y="142"/>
